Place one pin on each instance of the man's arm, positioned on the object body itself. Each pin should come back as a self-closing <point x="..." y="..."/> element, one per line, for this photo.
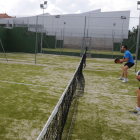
<point x="124" y="60"/>
<point x="138" y="77"/>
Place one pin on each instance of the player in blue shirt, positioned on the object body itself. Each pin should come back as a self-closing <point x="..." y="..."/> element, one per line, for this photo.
<point x="128" y="58"/>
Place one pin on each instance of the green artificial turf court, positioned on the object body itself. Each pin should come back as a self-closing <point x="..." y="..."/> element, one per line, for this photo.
<point x="102" y="113"/>
<point x="26" y="107"/>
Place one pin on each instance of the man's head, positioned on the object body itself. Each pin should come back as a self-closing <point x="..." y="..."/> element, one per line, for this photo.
<point x="124" y="48"/>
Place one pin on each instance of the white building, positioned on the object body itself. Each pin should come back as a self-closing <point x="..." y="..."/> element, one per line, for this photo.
<point x="94" y="24"/>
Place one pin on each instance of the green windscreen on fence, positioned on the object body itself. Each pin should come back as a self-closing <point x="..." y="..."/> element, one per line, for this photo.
<point x="3" y="37"/>
<point x="20" y="39"/>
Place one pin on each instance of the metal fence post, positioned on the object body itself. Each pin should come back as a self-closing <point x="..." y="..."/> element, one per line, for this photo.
<point x="63" y="39"/>
<point x="55" y="40"/>
<point x="3" y="50"/>
<point x="36" y="45"/>
<point x="87" y="32"/>
<point x="83" y="41"/>
<point x="42" y="31"/>
<point x="137" y="47"/>
<point x="112" y="42"/>
<point x="90" y="48"/>
<point x="61" y="42"/>
<point x="121" y="43"/>
<point x="28" y="23"/>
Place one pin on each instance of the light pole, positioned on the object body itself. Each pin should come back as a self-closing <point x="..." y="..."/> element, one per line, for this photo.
<point x="63" y="34"/>
<point x="114" y="24"/>
<point x="122" y="17"/>
<point x="137" y="47"/>
<point x="43" y="6"/>
<point x="113" y="35"/>
<point x="57" y="16"/>
<point x="138" y="5"/>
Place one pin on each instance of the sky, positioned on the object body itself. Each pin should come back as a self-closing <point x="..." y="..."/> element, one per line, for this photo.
<point x="55" y="7"/>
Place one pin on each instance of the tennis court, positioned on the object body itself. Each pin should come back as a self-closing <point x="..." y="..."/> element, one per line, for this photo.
<point x="102" y="113"/>
<point x="26" y="107"/>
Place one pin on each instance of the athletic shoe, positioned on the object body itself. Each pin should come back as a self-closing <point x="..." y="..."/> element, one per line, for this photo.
<point x="121" y="78"/>
<point x="125" y="80"/>
<point x="134" y="110"/>
<point x="138" y="113"/>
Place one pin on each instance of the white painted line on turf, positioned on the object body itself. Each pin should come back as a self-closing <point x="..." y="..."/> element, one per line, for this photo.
<point x="115" y="94"/>
<point x="121" y="95"/>
<point x="27" y="84"/>
<point x="45" y="65"/>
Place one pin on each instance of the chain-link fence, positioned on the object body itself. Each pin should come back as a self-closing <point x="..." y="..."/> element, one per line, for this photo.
<point x="103" y="36"/>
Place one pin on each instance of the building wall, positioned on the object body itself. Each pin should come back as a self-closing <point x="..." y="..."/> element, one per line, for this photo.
<point x="98" y="24"/>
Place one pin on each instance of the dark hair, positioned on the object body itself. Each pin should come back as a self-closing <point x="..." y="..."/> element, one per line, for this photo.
<point x="125" y="47"/>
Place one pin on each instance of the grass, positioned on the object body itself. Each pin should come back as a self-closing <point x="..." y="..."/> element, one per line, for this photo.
<point x="103" y="111"/>
<point x="26" y="107"/>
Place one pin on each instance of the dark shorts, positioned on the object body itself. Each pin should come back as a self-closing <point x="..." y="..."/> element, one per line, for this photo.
<point x="129" y="64"/>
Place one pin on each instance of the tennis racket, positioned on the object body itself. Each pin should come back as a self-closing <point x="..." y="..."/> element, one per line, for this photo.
<point x="117" y="60"/>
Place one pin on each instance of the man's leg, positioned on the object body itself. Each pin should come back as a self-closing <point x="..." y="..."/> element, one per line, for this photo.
<point x="136" y="110"/>
<point x="122" y="73"/>
<point x="125" y="71"/>
<point x="125" y="74"/>
<point x="122" y="76"/>
<point x="138" y="98"/>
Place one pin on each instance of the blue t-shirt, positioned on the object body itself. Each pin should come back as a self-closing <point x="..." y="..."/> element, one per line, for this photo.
<point x="127" y="54"/>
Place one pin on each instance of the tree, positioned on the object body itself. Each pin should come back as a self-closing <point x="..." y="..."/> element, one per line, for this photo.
<point x="133" y="33"/>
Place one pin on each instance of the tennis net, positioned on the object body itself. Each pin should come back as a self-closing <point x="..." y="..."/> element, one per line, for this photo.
<point x="56" y="122"/>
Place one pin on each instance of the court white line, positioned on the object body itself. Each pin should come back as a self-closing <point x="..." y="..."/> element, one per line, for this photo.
<point x="44" y="65"/>
<point x="114" y="94"/>
<point x="121" y="95"/>
<point x="28" y="84"/>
